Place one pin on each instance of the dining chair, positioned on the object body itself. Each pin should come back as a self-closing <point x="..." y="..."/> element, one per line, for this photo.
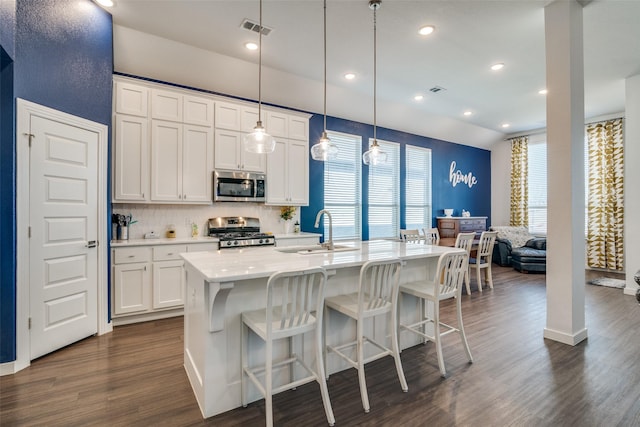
<point x="377" y="295"/>
<point x="446" y="284"/>
<point x="465" y="241"/>
<point x="482" y="261"/>
<point x="431" y="236"/>
<point x="410" y="236"/>
<point x="295" y="302"/>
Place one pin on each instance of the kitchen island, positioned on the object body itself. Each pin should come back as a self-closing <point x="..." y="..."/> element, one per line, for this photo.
<point x="223" y="284"/>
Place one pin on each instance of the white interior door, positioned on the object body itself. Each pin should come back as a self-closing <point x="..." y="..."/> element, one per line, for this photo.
<point x="63" y="218"/>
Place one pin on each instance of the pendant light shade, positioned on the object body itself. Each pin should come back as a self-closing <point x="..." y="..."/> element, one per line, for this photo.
<point x="259" y="141"/>
<point x="375" y="155"/>
<point x="325" y="149"/>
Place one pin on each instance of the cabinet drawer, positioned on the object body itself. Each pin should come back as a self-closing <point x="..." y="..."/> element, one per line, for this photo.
<point x="168" y="252"/>
<point x="447" y="233"/>
<point x="130" y="255"/>
<point x="472" y="225"/>
<point x="447" y="224"/>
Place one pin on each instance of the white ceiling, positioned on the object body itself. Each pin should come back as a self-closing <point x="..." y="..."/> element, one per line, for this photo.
<point x="470" y="36"/>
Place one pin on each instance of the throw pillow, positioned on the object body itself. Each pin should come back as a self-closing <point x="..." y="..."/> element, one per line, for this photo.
<point x="537" y="243"/>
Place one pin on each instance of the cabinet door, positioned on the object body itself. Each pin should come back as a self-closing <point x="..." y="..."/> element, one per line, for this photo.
<point x="252" y="162"/>
<point x="227" y="116"/>
<point x="131" y="159"/>
<point x="249" y="118"/>
<point x="131" y="99"/>
<point x="197" y="111"/>
<point x="298" y="128"/>
<point x="298" y="172"/>
<point x="131" y="288"/>
<point x="227" y="152"/>
<point x="277" y="186"/>
<point x="166" y="105"/>
<point x="197" y="164"/>
<point x="277" y="124"/>
<point x="168" y="284"/>
<point x="166" y="161"/>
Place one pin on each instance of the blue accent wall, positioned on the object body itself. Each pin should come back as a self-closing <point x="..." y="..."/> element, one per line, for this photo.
<point x="475" y="199"/>
<point x="58" y="54"/>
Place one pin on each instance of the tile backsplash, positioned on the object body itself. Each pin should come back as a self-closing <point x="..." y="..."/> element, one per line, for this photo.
<point x="158" y="217"/>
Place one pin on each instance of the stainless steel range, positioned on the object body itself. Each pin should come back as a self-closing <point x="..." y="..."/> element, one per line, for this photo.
<point x="238" y="232"/>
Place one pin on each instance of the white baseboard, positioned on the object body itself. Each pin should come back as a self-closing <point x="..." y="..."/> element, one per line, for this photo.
<point x="570" y="339"/>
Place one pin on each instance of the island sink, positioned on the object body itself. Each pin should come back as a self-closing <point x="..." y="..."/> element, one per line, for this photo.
<point x="315" y="249"/>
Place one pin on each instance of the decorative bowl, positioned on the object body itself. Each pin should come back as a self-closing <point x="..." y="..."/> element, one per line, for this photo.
<point x="448" y="212"/>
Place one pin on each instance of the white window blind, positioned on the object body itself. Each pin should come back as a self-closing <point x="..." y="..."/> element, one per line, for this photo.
<point x="342" y="195"/>
<point x="417" y="187"/>
<point x="384" y="194"/>
<point x="537" y="188"/>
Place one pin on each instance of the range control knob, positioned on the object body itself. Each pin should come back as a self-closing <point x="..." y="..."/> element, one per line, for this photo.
<point x="235" y="242"/>
<point x="229" y="243"/>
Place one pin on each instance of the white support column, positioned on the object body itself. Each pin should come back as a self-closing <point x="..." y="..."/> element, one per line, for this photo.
<point x="631" y="178"/>
<point x="565" y="173"/>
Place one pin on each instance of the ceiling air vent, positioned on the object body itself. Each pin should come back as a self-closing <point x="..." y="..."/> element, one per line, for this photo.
<point x="255" y="27"/>
<point x="436" y="89"/>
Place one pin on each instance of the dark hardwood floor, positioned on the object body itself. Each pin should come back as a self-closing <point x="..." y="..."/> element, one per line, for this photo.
<point x="134" y="376"/>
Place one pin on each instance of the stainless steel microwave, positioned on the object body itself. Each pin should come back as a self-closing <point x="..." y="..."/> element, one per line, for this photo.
<point x="235" y="186"/>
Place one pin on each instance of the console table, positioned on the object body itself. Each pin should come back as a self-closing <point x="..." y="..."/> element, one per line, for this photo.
<point x="450" y="227"/>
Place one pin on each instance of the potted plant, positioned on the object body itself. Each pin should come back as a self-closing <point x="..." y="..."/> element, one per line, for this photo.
<point x="286" y="213"/>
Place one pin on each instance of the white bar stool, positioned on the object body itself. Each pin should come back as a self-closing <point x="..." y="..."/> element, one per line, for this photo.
<point x="447" y="283"/>
<point x="295" y="302"/>
<point x="377" y="295"/>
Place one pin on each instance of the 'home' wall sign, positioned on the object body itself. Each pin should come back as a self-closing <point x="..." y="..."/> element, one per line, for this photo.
<point x="456" y="176"/>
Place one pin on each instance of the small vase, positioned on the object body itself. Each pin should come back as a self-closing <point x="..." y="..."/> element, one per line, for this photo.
<point x="287" y="226"/>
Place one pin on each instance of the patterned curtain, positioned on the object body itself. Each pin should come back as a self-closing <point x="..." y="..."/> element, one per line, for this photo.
<point x="605" y="208"/>
<point x="519" y="182"/>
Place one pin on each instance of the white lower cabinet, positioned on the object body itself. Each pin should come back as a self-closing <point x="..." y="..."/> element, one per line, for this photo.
<point x="282" y="242"/>
<point x="149" y="281"/>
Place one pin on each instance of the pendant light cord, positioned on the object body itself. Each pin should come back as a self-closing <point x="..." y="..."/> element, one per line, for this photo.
<point x="260" y="67"/>
<point x="325" y="66"/>
<point x="375" y="8"/>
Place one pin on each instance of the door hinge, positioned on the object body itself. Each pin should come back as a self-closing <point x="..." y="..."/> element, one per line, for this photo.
<point x="29" y="322"/>
<point x="30" y="136"/>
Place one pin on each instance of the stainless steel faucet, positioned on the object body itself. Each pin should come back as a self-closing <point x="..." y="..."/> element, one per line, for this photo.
<point x="329" y="244"/>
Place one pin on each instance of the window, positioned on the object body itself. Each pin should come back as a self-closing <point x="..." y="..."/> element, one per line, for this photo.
<point x="418" y="187"/>
<point x="342" y="187"/>
<point x="537" y="155"/>
<point x="384" y="194"/>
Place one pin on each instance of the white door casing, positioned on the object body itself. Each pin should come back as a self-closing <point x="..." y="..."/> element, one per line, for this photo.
<point x="25" y="112"/>
<point x="63" y="224"/>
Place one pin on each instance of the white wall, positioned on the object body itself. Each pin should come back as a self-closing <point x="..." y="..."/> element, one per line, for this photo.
<point x="631" y="180"/>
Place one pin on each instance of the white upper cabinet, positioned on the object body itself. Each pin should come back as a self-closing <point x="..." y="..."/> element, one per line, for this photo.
<point x="181" y="162"/>
<point x="197" y="111"/>
<point x="166" y="105"/>
<point x="130" y="159"/>
<point x="131" y="99"/>
<point x="230" y="154"/>
<point x="277" y="124"/>
<point x="227" y="116"/>
<point x="298" y="128"/>
<point x="288" y="173"/>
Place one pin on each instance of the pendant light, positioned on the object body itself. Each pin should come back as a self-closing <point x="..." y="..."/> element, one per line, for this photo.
<point x="375" y="155"/>
<point x="259" y="141"/>
<point x="324" y="149"/>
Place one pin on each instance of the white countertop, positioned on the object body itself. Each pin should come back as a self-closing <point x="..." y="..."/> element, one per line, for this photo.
<point x="295" y="235"/>
<point x="162" y="241"/>
<point x="230" y="265"/>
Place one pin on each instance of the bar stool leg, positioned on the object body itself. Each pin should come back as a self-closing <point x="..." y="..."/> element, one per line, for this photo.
<point x="320" y="366"/>
<point x="363" y="384"/>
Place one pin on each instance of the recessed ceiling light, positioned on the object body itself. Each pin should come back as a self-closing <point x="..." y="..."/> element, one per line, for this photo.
<point x="418" y="97"/>
<point x="349" y="76"/>
<point x="498" y="66"/>
<point x="467" y="113"/>
<point x="251" y="46"/>
<point x="426" y="30"/>
<point x="105" y="3"/>
<point x="505" y="125"/>
<point x="543" y="91"/>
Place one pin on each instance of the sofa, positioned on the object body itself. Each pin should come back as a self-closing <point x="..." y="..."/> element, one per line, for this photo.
<point x="516" y="247"/>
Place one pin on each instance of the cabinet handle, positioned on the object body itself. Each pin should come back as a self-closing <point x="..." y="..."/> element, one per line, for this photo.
<point x="145" y="268"/>
<point x="132" y="256"/>
<point x="184" y="197"/>
<point x="170" y="254"/>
